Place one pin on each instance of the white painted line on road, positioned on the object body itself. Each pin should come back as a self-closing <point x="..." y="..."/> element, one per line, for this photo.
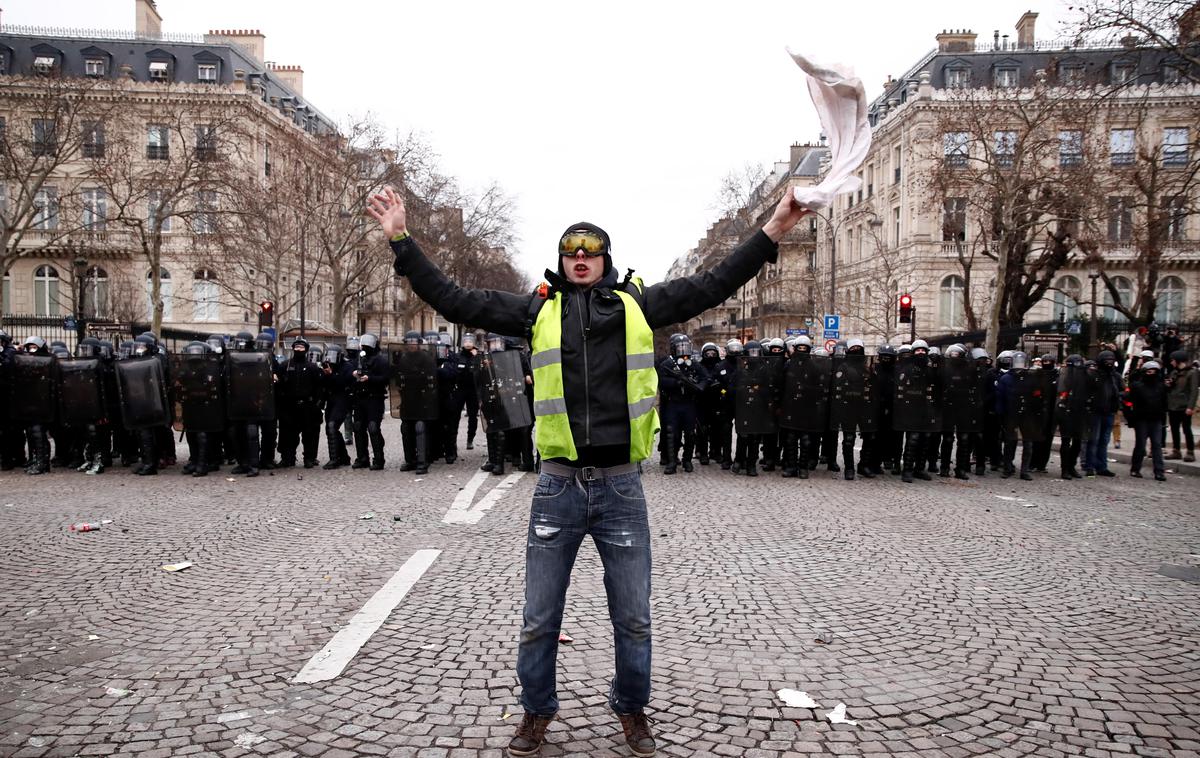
<point x="332" y="659"/>
<point x="461" y="511"/>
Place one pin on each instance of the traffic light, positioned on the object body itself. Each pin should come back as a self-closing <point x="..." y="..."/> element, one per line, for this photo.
<point x="266" y="314"/>
<point x="906" y="308"/>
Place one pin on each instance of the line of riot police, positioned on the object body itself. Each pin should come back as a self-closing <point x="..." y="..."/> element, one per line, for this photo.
<point x="236" y="403"/>
<point x="916" y="410"/>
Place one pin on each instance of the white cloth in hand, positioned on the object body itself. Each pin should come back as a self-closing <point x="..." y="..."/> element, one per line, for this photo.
<point x="841" y="104"/>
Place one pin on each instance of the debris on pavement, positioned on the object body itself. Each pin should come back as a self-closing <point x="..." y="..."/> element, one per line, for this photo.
<point x="565" y="638"/>
<point x="838" y="715"/>
<point x="93" y="637"/>
<point x="506" y="716"/>
<point x="38" y="742"/>
<point x="116" y="691"/>
<point x="249" y="739"/>
<point x="397" y="517"/>
<point x="85" y="526"/>
<point x="224" y="718"/>
<point x="824" y="637"/>
<point x="796" y="699"/>
<point x="367" y="516"/>
<point x="173" y="567"/>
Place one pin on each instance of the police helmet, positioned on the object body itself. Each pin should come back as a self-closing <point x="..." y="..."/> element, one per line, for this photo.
<point x="105" y="350"/>
<point x="886" y="350"/>
<point x="804" y="341"/>
<point x="753" y="348"/>
<point x="1151" y="366"/>
<point x="1075" y="360"/>
<point x="820" y="352"/>
<point x="300" y="342"/>
<point x="680" y="345"/>
<point x="88" y="347"/>
<point x="855" y="342"/>
<point x="125" y="349"/>
<point x="1048" y="360"/>
<point x="370" y="341"/>
<point x="905" y="349"/>
<point x="1020" y="360"/>
<point x="196" y="348"/>
<point x="334" y="355"/>
<point x="352" y="345"/>
<point x="956" y="351"/>
<point x="143" y="344"/>
<point x="243" y="342"/>
<point x="978" y="353"/>
<point x="216" y="343"/>
<point x="733" y="347"/>
<point x="1146" y="354"/>
<point x="775" y="345"/>
<point x="918" y="344"/>
<point x="468" y="341"/>
<point x="411" y="337"/>
<point x="710" y="346"/>
<point x="429" y="338"/>
<point x="264" y="342"/>
<point x="62" y="353"/>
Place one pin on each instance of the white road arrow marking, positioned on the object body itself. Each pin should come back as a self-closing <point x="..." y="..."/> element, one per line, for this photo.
<point x="332" y="659"/>
<point x="461" y="510"/>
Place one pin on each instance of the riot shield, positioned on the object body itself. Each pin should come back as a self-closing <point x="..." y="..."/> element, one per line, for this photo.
<point x="249" y="387"/>
<point x="34" y="384"/>
<point x="918" y="403"/>
<point x="80" y="397"/>
<point x="805" y="406"/>
<point x="500" y="384"/>
<point x="1074" y="400"/>
<point x="199" y="401"/>
<point x="1027" y="412"/>
<point x="848" y="406"/>
<point x="143" y="393"/>
<point x="413" y="390"/>
<point x="755" y="395"/>
<point x="961" y="405"/>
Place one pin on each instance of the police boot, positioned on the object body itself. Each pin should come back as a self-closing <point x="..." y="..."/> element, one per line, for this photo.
<point x="1026" y="450"/>
<point x="865" y="471"/>
<point x="200" y="467"/>
<point x="670" y="452"/>
<point x="376" y="446"/>
<point x="332" y="438"/>
<point x="422" y="449"/>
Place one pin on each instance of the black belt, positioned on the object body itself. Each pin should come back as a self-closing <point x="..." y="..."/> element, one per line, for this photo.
<point x="588" y="473"/>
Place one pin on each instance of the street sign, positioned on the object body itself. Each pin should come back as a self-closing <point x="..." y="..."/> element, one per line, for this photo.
<point x="1048" y="338"/>
<point x="1075" y="327"/>
<point x="809" y="323"/>
<point x="797" y="332"/>
<point x="69" y="324"/>
<point x="830" y="345"/>
<point x="832" y="334"/>
<point x="833" y="322"/>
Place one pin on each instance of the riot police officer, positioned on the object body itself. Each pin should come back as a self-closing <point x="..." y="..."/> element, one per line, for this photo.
<point x="34" y="388"/>
<point x="681" y="382"/>
<point x="371" y="378"/>
<point x="198" y="381"/>
<point x="269" y="427"/>
<point x="917" y="409"/>
<point x="299" y="410"/>
<point x="467" y="355"/>
<point x="1020" y="405"/>
<point x="337" y="382"/>
<point x="714" y="405"/>
<point x="804" y="407"/>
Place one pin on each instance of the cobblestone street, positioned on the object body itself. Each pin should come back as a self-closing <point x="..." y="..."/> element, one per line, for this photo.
<point x="990" y="617"/>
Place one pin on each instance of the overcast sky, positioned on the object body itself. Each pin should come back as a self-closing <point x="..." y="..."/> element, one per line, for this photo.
<point x="625" y="114"/>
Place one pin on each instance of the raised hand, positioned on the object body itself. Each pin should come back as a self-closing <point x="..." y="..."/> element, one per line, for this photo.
<point x="387" y="208"/>
<point x="787" y="214"/>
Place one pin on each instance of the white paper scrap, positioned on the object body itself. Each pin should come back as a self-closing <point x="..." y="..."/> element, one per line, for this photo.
<point x="838" y="715"/>
<point x="796" y="699"/>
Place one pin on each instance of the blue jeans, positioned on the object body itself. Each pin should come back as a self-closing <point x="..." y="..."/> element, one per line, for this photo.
<point x="613" y="511"/>
<point x="1096" y="458"/>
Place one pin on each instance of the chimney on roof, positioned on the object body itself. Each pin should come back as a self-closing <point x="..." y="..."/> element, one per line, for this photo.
<point x="149" y="23"/>
<point x="291" y="76"/>
<point x="251" y="40"/>
<point x="1025" y="38"/>
<point x="956" y="41"/>
<point x="1189" y="25"/>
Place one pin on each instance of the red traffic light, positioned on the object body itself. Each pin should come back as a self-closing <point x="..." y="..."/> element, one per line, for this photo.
<point x="266" y="314"/>
<point x="905" y="301"/>
<point x="906" y="308"/>
<point x="266" y="306"/>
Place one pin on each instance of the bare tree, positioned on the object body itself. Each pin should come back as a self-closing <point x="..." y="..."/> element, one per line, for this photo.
<point x="1170" y="25"/>
<point x="170" y="178"/>
<point x="1017" y="165"/>
<point x="51" y="128"/>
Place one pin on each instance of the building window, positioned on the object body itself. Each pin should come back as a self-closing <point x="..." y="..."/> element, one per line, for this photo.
<point x="266" y="159"/>
<point x="1006" y="149"/>
<point x="206" y="142"/>
<point x="45" y="209"/>
<point x="94" y="67"/>
<point x="1066" y="298"/>
<point x="1007" y="78"/>
<point x="160" y="71"/>
<point x="205" y="219"/>
<point x="896" y="165"/>
<point x="954" y="219"/>
<point x="1122" y="72"/>
<point x="158" y="210"/>
<point x="896" y="227"/>
<point x="95" y="293"/>
<point x="93" y="139"/>
<point x="950" y="303"/>
<point x="1121" y="146"/>
<point x="4" y="72"/>
<point x="1070" y="147"/>
<point x="44" y="64"/>
<point x="1070" y="75"/>
<point x="1120" y="219"/>
<point x="45" y="136"/>
<point x="1175" y="213"/>
<point x="1169" y="308"/>
<point x="1124" y="289"/>
<point x="954" y="149"/>
<point x="1175" y="146"/>
<point x="207" y="72"/>
<point x="205" y="292"/>
<point x="45" y="291"/>
<point x="158" y="145"/>
<point x="958" y="78"/>
<point x="95" y="209"/>
<point x="165" y="290"/>
<point x="1172" y="73"/>
<point x="7" y="285"/>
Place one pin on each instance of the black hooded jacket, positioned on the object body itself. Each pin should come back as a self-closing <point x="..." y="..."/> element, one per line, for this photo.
<point x="593" y="329"/>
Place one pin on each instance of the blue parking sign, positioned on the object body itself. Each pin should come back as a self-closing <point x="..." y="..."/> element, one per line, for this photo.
<point x="833" y="322"/>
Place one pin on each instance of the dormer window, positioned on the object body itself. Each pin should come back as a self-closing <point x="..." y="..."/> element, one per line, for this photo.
<point x="206" y="73"/>
<point x="1007" y="77"/>
<point x="958" y="78"/>
<point x="1122" y="72"/>
<point x="160" y="71"/>
<point x="94" y="67"/>
<point x="1172" y="73"/>
<point x="1070" y="74"/>
<point x="43" y="64"/>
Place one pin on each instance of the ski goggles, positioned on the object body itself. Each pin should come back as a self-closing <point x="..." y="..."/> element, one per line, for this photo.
<point x="590" y="243"/>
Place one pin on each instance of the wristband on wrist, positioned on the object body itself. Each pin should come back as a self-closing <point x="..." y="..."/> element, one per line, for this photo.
<point x="400" y="237"/>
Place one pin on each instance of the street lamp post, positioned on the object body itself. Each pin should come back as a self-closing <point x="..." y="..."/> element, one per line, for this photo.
<point x="80" y="265"/>
<point x="1093" y="328"/>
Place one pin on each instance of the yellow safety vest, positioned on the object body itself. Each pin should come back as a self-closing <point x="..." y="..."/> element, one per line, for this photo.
<point x="554" y="438"/>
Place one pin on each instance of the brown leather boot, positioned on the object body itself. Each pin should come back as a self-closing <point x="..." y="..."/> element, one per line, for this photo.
<point x="637" y="733"/>
<point x="530" y="735"/>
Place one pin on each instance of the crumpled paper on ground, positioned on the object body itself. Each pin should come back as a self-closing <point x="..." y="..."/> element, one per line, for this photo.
<point x="838" y="715"/>
<point x="841" y="104"/>
<point x="796" y="699"/>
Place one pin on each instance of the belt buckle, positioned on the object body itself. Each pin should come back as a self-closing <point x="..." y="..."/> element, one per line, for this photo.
<point x="588" y="474"/>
